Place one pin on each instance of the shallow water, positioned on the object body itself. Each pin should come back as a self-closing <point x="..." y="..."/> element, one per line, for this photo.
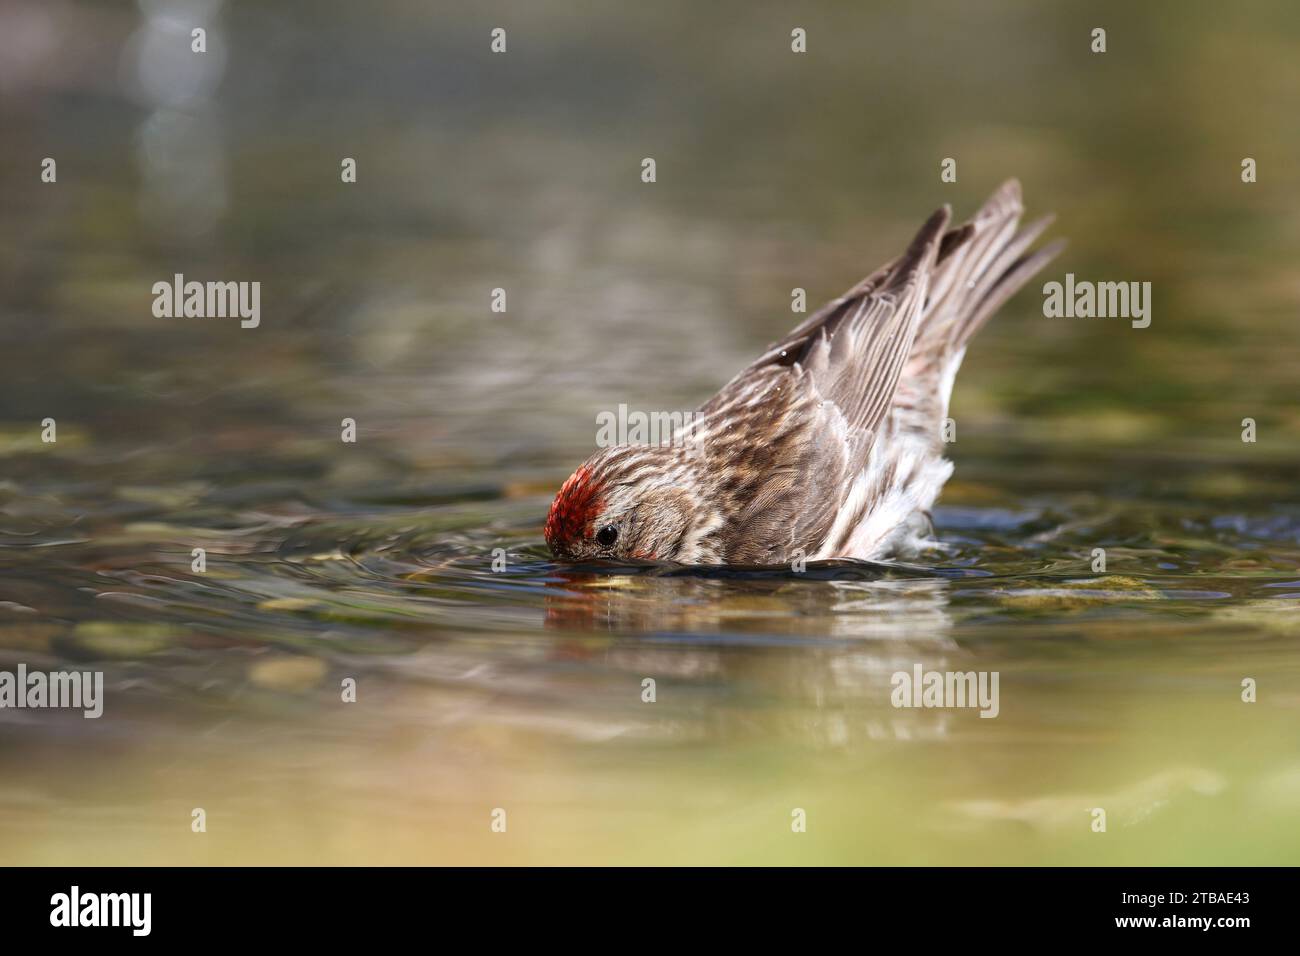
<point x="521" y="688"/>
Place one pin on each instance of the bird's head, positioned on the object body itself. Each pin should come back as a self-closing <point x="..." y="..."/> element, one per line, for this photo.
<point x="630" y="501"/>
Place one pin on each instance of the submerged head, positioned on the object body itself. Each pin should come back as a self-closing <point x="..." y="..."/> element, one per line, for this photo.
<point x="631" y="501"/>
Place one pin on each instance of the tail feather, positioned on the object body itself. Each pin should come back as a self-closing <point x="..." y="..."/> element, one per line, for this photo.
<point x="977" y="272"/>
<point x="981" y="264"/>
<point x="1013" y="271"/>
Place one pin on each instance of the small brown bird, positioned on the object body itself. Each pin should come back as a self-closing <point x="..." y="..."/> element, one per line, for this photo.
<point x="828" y="446"/>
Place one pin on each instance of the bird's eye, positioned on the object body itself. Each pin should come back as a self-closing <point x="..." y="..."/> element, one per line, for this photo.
<point x="606" y="536"/>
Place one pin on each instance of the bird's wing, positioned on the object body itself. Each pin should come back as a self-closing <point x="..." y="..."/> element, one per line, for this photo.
<point x="851" y="353"/>
<point x="791" y="430"/>
<point x="777" y="457"/>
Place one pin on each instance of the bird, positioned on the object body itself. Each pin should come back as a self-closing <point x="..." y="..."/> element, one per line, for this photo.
<point x="829" y="445"/>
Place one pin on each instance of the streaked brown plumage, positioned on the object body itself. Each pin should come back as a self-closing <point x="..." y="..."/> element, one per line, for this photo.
<point x="830" y="444"/>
